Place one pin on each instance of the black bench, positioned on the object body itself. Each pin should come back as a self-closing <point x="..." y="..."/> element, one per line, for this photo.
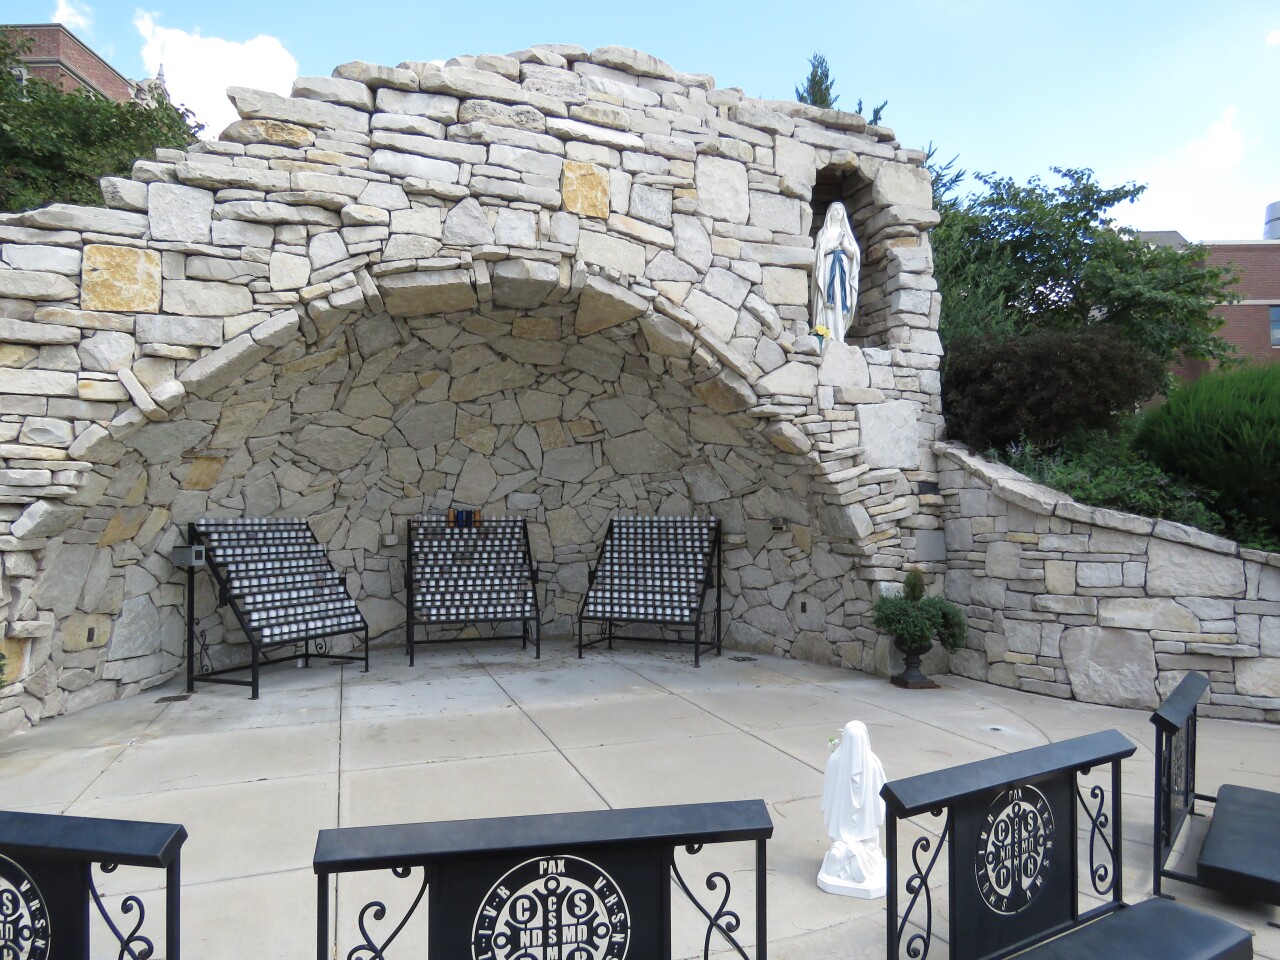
<point x="656" y="571"/>
<point x="468" y="570"/>
<point x="576" y="886"/>
<point x="1019" y="864"/>
<point x="278" y="582"/>
<point x="1240" y="853"/>
<point x="50" y="904"/>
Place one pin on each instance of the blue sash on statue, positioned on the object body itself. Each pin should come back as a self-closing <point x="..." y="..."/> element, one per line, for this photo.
<point x="838" y="272"/>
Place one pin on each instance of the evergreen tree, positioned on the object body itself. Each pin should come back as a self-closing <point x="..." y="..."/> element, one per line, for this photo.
<point x="817" y="88"/>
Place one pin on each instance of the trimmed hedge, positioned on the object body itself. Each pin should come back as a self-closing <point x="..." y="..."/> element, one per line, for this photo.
<point x="1222" y="433"/>
<point x="1043" y="386"/>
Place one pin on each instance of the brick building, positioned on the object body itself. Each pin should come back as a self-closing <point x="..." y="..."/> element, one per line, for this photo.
<point x="1252" y="325"/>
<point x="56" y="55"/>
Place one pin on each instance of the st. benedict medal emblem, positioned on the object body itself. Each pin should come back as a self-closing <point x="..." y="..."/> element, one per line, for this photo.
<point x="1015" y="849"/>
<point x="24" y="920"/>
<point x="552" y="908"/>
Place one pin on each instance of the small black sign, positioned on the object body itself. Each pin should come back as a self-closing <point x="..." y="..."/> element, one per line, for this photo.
<point x="24" y="917"/>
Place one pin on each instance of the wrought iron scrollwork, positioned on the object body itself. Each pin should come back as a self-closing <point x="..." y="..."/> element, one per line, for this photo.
<point x="376" y="911"/>
<point x="722" y="920"/>
<point x="918" y="944"/>
<point x="1178" y="781"/>
<point x="322" y="646"/>
<point x="202" y="652"/>
<point x="1101" y="875"/>
<point x="132" y="945"/>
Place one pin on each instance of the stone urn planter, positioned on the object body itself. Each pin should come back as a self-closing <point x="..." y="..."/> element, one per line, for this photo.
<point x="916" y="621"/>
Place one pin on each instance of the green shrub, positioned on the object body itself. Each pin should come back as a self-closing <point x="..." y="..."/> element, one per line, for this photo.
<point x="915" y="621"/>
<point x="1222" y="433"/>
<point x="1102" y="469"/>
<point x="1042" y="386"/>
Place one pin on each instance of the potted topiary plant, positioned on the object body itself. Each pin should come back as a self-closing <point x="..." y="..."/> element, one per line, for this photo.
<point x="916" y="621"/>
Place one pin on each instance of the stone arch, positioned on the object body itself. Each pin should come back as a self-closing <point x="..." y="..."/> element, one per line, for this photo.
<point x="506" y="222"/>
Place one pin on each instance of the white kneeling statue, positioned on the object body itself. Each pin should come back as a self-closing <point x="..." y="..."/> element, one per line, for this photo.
<point x="836" y="265"/>
<point x="853" y="812"/>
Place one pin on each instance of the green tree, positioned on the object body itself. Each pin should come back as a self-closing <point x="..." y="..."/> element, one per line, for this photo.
<point x="55" y="146"/>
<point x="876" y="112"/>
<point x="817" y="88"/>
<point x="1023" y="257"/>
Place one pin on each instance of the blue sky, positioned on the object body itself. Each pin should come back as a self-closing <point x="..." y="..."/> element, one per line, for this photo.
<point x="1179" y="94"/>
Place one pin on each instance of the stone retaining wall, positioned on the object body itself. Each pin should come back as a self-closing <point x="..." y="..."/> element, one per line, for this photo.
<point x="1106" y="607"/>
<point x="566" y="283"/>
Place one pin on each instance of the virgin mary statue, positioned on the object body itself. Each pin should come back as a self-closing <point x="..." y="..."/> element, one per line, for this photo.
<point x="837" y="261"/>
<point x="853" y="812"/>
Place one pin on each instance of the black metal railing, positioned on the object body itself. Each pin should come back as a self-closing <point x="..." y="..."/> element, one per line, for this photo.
<point x="1175" y="787"/>
<point x="49" y="896"/>
<point x="592" y="884"/>
<point x="1010" y="825"/>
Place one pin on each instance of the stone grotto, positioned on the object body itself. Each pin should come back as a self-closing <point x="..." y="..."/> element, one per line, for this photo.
<point x="560" y="283"/>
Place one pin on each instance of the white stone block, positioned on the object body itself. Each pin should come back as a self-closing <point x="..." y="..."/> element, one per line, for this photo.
<point x="890" y="434"/>
<point x="180" y="212"/>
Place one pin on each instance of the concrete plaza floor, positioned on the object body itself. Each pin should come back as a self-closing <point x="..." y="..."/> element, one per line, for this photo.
<point x="484" y="730"/>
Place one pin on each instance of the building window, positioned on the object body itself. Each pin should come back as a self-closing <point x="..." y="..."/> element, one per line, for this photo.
<point x="1275" y="325"/>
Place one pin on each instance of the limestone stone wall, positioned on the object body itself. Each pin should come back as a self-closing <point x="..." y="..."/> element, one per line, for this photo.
<point x="564" y="283"/>
<point x="1106" y="607"/>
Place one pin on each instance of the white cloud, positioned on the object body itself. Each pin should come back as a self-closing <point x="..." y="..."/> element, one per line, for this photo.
<point x="198" y="70"/>
<point x="1273" y="38"/>
<point x="73" y="15"/>
<point x="1213" y="188"/>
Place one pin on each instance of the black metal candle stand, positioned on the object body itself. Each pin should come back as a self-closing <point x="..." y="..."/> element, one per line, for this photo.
<point x="659" y="571"/>
<point x="277" y="579"/>
<point x="466" y="570"/>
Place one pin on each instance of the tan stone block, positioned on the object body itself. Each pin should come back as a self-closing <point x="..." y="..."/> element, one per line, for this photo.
<point x="269" y="131"/>
<point x="585" y="189"/>
<point x="536" y="328"/>
<point x="203" y="473"/>
<point x="15" y="658"/>
<point x="478" y="434"/>
<point x="76" y="631"/>
<point x="313" y="361"/>
<point x="551" y="434"/>
<point x="152" y="528"/>
<point x="1060" y="577"/>
<point x="123" y="526"/>
<point x="137" y="494"/>
<point x="120" y="279"/>
<point x="15" y="355"/>
<point x="106" y="391"/>
<point x="1258" y="678"/>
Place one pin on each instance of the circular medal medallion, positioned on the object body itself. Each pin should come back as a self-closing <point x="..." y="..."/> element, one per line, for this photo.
<point x="1014" y="849"/>
<point x="552" y="907"/>
<point x="24" y="920"/>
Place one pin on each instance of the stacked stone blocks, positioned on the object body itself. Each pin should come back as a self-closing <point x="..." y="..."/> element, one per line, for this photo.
<point x="560" y="282"/>
<point x="1077" y="601"/>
